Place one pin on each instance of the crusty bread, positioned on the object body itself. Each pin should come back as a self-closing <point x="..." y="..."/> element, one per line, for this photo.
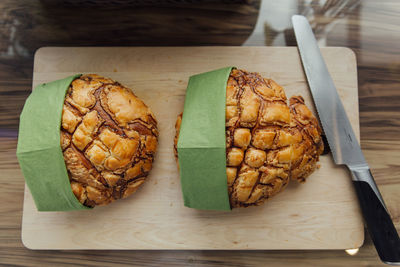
<point x="267" y="141"/>
<point x="108" y="138"/>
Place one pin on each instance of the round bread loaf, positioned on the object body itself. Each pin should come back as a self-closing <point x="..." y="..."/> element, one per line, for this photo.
<point x="108" y="138"/>
<point x="267" y="141"/>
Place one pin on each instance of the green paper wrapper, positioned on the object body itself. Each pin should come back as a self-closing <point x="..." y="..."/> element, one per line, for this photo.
<point x="201" y="145"/>
<point x="39" y="151"/>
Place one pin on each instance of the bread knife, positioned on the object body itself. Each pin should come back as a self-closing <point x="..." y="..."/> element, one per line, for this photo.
<point x="344" y="145"/>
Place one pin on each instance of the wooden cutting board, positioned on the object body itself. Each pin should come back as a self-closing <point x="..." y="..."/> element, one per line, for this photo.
<point x="323" y="213"/>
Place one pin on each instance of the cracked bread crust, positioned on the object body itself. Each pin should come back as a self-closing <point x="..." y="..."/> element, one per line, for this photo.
<point x="268" y="142"/>
<point x="108" y="138"/>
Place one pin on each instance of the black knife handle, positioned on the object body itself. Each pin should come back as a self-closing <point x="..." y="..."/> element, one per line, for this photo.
<point x="376" y="216"/>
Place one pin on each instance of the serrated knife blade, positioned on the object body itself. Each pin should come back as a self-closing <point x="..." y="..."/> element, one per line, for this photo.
<point x="344" y="145"/>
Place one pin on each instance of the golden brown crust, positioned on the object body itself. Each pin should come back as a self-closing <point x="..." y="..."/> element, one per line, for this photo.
<point x="108" y="138"/>
<point x="307" y="150"/>
<point x="177" y="128"/>
<point x="268" y="142"/>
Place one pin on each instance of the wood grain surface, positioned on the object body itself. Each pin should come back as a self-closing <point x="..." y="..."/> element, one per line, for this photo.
<point x="370" y="29"/>
<point x="321" y="214"/>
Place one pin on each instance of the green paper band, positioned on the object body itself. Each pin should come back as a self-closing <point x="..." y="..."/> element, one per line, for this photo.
<point x="201" y="145"/>
<point x="39" y="152"/>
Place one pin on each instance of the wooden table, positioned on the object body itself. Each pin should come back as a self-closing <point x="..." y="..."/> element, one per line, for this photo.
<point x="368" y="27"/>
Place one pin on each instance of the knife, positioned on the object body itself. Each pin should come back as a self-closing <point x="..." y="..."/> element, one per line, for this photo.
<point x="344" y="145"/>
